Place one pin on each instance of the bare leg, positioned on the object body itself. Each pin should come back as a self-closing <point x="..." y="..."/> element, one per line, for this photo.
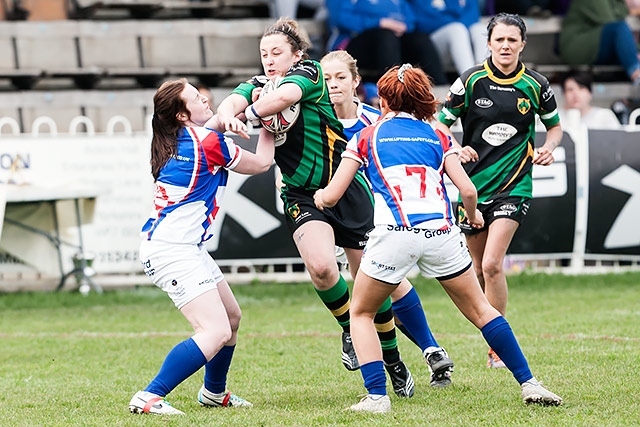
<point x="316" y="245"/>
<point x="368" y="296"/>
<point x="495" y="281"/>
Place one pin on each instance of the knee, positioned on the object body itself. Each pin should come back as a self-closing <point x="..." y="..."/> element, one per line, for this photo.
<point x="491" y="267"/>
<point x="234" y="320"/>
<point x="322" y="271"/>
<point x="210" y="341"/>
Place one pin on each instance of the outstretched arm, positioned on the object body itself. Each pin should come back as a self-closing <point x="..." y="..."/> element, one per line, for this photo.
<point x="234" y="125"/>
<point x="544" y="154"/>
<point x="328" y="197"/>
<point x="468" y="192"/>
<point x="261" y="160"/>
<point x="467" y="154"/>
<point x="229" y="109"/>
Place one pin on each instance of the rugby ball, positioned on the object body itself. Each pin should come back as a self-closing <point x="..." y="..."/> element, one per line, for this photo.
<point x="279" y="123"/>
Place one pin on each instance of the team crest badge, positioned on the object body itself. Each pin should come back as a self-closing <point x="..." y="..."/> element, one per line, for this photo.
<point x="462" y="214"/>
<point x="293" y="211"/>
<point x="524" y="105"/>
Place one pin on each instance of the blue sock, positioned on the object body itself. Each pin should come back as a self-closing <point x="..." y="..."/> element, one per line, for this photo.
<point x="411" y="315"/>
<point x="500" y="338"/>
<point x="374" y="377"/>
<point x="215" y="370"/>
<point x="406" y="333"/>
<point x="182" y="361"/>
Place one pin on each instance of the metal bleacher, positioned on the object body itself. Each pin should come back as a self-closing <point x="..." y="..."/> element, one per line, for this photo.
<point x="108" y="56"/>
<point x="147" y="51"/>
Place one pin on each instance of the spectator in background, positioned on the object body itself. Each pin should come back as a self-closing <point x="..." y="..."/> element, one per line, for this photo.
<point x="577" y="91"/>
<point x="533" y="8"/>
<point x="380" y="34"/>
<point x="594" y="32"/>
<point x="455" y="29"/>
<point x="289" y="8"/>
<point x="634" y="7"/>
<point x="368" y="93"/>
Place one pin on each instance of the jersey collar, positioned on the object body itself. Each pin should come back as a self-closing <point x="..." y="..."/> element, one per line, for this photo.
<point x="499" y="77"/>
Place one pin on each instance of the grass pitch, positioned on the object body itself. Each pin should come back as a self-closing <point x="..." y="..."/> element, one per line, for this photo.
<point x="69" y="360"/>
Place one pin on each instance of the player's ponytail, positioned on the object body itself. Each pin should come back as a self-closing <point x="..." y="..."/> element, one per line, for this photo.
<point x="167" y="104"/>
<point x="408" y="89"/>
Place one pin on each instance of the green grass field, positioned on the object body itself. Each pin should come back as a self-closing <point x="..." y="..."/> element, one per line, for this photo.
<point x="68" y="360"/>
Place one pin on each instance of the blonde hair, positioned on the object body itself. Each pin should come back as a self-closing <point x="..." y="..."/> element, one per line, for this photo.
<point x="344" y="57"/>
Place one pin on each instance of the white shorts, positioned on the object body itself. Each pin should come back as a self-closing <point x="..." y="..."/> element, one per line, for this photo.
<point x="392" y="251"/>
<point x="182" y="271"/>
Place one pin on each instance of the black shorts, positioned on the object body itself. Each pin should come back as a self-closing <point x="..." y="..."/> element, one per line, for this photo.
<point x="514" y="208"/>
<point x="351" y="218"/>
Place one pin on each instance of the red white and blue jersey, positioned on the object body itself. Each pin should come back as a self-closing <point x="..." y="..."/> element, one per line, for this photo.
<point x="366" y="115"/>
<point x="403" y="159"/>
<point x="190" y="187"/>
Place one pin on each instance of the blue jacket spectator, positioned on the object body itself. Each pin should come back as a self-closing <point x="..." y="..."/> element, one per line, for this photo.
<point x="455" y="29"/>
<point x="380" y="34"/>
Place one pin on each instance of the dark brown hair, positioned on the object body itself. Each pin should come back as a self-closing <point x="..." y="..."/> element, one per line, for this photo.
<point x="167" y="104"/>
<point x="582" y="78"/>
<point x="408" y="89"/>
<point x="507" y="19"/>
<point x="296" y="36"/>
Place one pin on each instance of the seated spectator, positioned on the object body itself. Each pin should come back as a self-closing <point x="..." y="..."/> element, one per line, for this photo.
<point x="368" y="94"/>
<point x="455" y="29"/>
<point x="533" y="8"/>
<point x="577" y="91"/>
<point x="594" y="32"/>
<point x="289" y="8"/>
<point x="380" y="34"/>
<point x="634" y="7"/>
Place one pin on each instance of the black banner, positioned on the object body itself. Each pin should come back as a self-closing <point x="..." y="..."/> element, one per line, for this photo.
<point x="614" y="193"/>
<point x="550" y="223"/>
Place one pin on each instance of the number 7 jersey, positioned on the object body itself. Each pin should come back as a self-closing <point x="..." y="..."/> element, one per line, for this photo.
<point x="403" y="159"/>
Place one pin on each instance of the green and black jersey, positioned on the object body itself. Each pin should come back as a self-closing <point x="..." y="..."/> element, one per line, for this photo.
<point x="312" y="151"/>
<point x="498" y="115"/>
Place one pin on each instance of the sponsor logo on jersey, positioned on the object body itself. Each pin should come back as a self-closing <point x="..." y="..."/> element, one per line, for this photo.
<point x="524" y="105"/>
<point x="548" y="94"/>
<point x="498" y="133"/>
<point x="484" y="103"/>
<point x="502" y="89"/>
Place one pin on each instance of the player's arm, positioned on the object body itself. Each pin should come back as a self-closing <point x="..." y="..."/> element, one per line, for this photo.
<point x="229" y="109"/>
<point x="544" y="154"/>
<point x="234" y="125"/>
<point x="468" y="192"/>
<point x="277" y="100"/>
<point x="261" y="160"/>
<point x="329" y="196"/>
<point x="467" y="154"/>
